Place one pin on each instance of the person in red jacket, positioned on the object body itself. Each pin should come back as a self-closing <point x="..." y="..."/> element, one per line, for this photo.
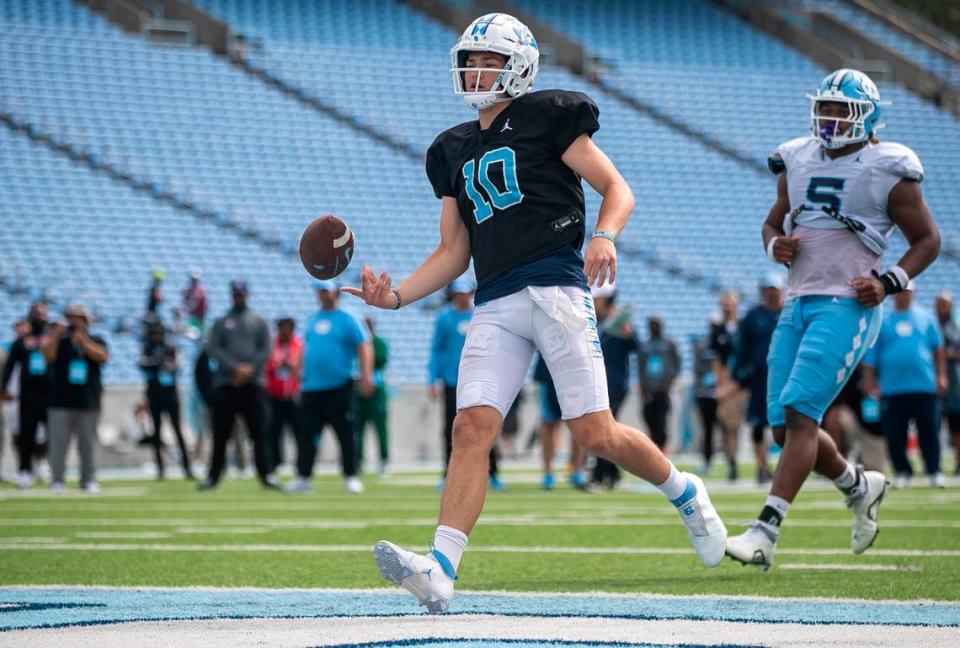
<point x="283" y="387"/>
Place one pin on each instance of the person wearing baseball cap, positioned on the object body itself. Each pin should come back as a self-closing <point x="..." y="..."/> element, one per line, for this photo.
<point x="239" y="343"/>
<point x="333" y="342"/>
<point x="75" y="358"/>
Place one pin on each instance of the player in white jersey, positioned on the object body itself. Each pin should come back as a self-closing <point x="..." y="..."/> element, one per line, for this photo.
<point x="840" y="193"/>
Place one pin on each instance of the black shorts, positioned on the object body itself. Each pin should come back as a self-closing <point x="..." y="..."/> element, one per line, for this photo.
<point x="953" y="422"/>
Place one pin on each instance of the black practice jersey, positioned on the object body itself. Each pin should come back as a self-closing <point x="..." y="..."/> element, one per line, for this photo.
<point x="518" y="200"/>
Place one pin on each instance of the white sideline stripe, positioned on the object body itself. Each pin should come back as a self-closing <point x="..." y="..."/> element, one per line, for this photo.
<point x="298" y="632"/>
<point x="853" y="568"/>
<point x="500" y="520"/>
<point x="364" y="548"/>
<point x="519" y="593"/>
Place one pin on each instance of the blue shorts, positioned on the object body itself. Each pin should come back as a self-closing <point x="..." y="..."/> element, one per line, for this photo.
<point x="817" y="344"/>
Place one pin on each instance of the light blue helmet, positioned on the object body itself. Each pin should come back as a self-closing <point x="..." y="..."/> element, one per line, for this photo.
<point x="855" y="89"/>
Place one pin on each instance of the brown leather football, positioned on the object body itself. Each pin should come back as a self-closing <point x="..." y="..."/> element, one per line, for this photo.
<point x="326" y="247"/>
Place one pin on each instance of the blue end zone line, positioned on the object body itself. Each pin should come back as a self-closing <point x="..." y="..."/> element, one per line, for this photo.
<point x="527" y="642"/>
<point x="52" y="608"/>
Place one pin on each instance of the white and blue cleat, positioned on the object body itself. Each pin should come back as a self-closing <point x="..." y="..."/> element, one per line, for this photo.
<point x="704" y="527"/>
<point x="422" y="576"/>
<point x="864" y="503"/>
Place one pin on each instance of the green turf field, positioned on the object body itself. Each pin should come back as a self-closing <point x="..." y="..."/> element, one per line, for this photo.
<point x="150" y="533"/>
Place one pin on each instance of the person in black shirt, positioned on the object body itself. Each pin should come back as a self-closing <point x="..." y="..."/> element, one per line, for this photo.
<point x="75" y="358"/>
<point x="750" y="362"/>
<point x="27" y="353"/>
<point x="512" y="200"/>
<point x="618" y="340"/>
<point x="723" y="342"/>
<point x="160" y="363"/>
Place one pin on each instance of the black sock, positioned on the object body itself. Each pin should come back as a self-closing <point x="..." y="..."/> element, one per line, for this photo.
<point x="771" y="516"/>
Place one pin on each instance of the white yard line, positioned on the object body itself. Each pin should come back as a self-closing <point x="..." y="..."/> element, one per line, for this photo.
<point x="525" y="520"/>
<point x="364" y="548"/>
<point x="835" y="567"/>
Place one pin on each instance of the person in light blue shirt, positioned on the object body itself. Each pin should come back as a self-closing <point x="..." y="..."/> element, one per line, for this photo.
<point x="449" y="335"/>
<point x="333" y="339"/>
<point x="909" y="362"/>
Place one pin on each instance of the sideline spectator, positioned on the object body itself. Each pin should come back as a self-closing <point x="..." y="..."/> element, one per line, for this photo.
<point x="373" y="408"/>
<point x="659" y="364"/>
<point x="75" y="358"/>
<point x="449" y="336"/>
<point x="723" y="341"/>
<point x="240" y="344"/>
<point x="617" y="340"/>
<point x="160" y="363"/>
<point x="34" y="383"/>
<point x="283" y="388"/>
<point x="705" y="392"/>
<point x="750" y="362"/>
<point x="951" y="398"/>
<point x="909" y="361"/>
<point x="550" y="421"/>
<point x="195" y="304"/>
<point x="332" y="339"/>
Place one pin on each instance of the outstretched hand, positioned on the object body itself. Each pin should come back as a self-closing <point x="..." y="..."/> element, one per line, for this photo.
<point x="374" y="290"/>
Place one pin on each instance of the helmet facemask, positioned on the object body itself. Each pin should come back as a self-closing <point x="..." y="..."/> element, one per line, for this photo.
<point x="837" y="132"/>
<point x="504" y="88"/>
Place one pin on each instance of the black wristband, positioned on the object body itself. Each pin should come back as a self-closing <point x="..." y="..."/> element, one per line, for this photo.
<point x="891" y="284"/>
<point x="396" y="293"/>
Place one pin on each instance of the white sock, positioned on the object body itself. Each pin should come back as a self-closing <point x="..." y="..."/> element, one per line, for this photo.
<point x="674" y="486"/>
<point x="451" y="543"/>
<point x="778" y="504"/>
<point x="847" y="480"/>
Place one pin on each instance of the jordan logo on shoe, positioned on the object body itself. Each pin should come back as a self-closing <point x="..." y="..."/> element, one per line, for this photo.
<point x="427" y="572"/>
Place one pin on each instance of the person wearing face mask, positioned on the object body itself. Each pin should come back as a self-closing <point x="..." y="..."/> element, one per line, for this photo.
<point x="34" y="379"/>
<point x="76" y="358"/>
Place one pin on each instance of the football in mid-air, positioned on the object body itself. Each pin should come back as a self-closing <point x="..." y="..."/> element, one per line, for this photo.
<point x="326" y="247"/>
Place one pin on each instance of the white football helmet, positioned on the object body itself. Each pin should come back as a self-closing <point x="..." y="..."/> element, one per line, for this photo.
<point x="502" y="34"/>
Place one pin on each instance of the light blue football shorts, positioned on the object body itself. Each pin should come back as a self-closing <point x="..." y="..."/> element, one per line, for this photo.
<point x="817" y="344"/>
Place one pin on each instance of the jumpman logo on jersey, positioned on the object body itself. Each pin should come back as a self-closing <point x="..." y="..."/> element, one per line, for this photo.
<point x="506" y="127"/>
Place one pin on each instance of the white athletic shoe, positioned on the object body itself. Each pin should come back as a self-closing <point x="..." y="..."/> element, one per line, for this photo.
<point x="24" y="480"/>
<point x="298" y="485"/>
<point x="756" y="546"/>
<point x="422" y="576"/>
<point x="864" y="502"/>
<point x="901" y="481"/>
<point x="57" y="487"/>
<point x="91" y="488"/>
<point x="704" y="526"/>
<point x="937" y="480"/>
<point x="353" y="485"/>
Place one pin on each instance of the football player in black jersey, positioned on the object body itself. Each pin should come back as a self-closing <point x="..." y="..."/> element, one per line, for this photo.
<point x="513" y="202"/>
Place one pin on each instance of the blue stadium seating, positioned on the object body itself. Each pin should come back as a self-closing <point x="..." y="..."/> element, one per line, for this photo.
<point x="913" y="49"/>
